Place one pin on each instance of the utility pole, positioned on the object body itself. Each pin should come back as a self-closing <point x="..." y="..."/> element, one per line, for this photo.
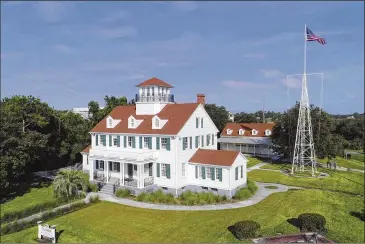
<point x="263" y="109"/>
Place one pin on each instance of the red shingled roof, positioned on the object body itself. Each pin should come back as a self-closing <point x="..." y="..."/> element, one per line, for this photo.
<point x="155" y="82"/>
<point x="176" y="114"/>
<point x="248" y="127"/>
<point x="214" y="157"/>
<point x="86" y="149"/>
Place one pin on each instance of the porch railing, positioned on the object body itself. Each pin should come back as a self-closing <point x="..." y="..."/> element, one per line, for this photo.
<point x="148" y="181"/>
<point x="131" y="182"/>
<point x="115" y="185"/>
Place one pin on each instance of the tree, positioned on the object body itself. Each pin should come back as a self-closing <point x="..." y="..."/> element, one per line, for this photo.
<point x="245" y="118"/>
<point x="68" y="184"/>
<point x="284" y="131"/>
<point x="218" y="114"/>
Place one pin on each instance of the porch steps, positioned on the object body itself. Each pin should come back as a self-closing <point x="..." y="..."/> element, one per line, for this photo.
<point x="107" y="189"/>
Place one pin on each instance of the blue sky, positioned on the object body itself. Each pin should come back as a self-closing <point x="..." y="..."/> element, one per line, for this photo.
<point x="236" y="53"/>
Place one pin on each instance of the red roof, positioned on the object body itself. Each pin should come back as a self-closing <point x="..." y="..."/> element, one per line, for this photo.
<point x="86" y="149"/>
<point x="247" y="127"/>
<point x="214" y="157"/>
<point x="176" y="114"/>
<point x="155" y="82"/>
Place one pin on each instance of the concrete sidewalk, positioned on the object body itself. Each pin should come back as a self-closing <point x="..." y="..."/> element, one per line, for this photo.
<point x="260" y="195"/>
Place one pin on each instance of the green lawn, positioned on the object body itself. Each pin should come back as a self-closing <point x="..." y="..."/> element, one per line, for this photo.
<point x="30" y="199"/>
<point x="253" y="161"/>
<point x="351" y="182"/>
<point x="356" y="162"/>
<point x="110" y="222"/>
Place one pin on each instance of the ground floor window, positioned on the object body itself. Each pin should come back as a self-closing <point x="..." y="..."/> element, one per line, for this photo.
<point x="183" y="169"/>
<point x="209" y="173"/>
<point x="115" y="166"/>
<point x="163" y="170"/>
<point x="99" y="164"/>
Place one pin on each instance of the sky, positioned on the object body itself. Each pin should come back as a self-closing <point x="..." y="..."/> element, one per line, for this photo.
<point x="239" y="54"/>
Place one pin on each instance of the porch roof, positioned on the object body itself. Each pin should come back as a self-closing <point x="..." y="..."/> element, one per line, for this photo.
<point x="126" y="156"/>
<point x="246" y="140"/>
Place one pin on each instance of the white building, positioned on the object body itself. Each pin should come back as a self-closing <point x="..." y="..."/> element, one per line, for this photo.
<point x="84" y="112"/>
<point x="247" y="138"/>
<point x="231" y="116"/>
<point x="158" y="144"/>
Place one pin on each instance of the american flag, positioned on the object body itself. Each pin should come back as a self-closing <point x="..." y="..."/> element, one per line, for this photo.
<point x="312" y="37"/>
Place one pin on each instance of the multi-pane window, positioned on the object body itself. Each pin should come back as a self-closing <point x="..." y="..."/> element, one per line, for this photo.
<point x="163" y="170"/>
<point x="163" y="143"/>
<point x="241" y="171"/>
<point x="208" y="140"/>
<point x="208" y="172"/>
<point x="115" y="141"/>
<point x="183" y="169"/>
<point x="185" y="143"/>
<point x="110" y="122"/>
<point x="216" y="174"/>
<point x="101" y="140"/>
<point x="132" y="123"/>
<point x="145" y="142"/>
<point x="157" y="123"/>
<point x="129" y="141"/>
<point x="202" y="141"/>
<point x="115" y="166"/>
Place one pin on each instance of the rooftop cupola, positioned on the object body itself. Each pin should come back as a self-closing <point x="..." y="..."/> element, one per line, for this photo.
<point x="153" y="95"/>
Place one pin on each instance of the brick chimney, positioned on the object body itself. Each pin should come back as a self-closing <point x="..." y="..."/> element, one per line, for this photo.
<point x="200" y="98"/>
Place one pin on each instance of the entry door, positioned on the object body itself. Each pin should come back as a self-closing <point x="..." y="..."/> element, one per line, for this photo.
<point x="130" y="170"/>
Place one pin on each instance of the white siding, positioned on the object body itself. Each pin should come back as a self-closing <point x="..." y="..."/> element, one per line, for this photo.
<point x="240" y="161"/>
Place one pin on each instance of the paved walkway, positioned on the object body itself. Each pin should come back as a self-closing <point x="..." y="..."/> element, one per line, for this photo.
<point x="260" y="195"/>
<point x="257" y="166"/>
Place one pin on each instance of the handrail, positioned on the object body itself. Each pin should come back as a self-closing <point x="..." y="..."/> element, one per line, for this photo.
<point x="115" y="185"/>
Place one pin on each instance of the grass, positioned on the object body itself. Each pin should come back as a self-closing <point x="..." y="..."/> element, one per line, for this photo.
<point x="34" y="197"/>
<point x="349" y="182"/>
<point x="356" y="161"/>
<point x="271" y="187"/>
<point x="252" y="161"/>
<point x="111" y="222"/>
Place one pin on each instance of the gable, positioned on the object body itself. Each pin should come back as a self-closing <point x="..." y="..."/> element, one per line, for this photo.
<point x="248" y="128"/>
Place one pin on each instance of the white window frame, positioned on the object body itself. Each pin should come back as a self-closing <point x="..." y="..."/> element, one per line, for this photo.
<point x="115" y="141"/>
<point x="110" y="122"/>
<point x="183" y="169"/>
<point x="217" y="174"/>
<point x="267" y="132"/>
<point x="185" y="143"/>
<point x="163" y="170"/>
<point x="101" y="141"/>
<point x="206" y="173"/>
<point x="202" y="138"/>
<point x="208" y="140"/>
<point x="114" y="166"/>
<point x="129" y="139"/>
<point x="132" y="123"/>
<point x="145" y="140"/>
<point x="241" y="132"/>
<point x="254" y="132"/>
<point x="229" y="131"/>
<point x="163" y="145"/>
<point x="157" y="123"/>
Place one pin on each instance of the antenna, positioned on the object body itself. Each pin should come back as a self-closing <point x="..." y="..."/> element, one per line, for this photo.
<point x="263" y="109"/>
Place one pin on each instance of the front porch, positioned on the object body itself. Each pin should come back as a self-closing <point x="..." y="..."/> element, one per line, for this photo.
<point x="121" y="174"/>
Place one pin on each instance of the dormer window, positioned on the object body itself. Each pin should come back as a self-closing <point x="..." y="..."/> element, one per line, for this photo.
<point x="267" y="132"/>
<point x="110" y="122"/>
<point x="132" y="123"/>
<point x="157" y="123"/>
<point x="241" y="131"/>
<point x="254" y="132"/>
<point x="229" y="131"/>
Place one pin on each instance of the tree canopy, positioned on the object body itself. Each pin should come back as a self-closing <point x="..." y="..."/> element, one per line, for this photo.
<point x="218" y="114"/>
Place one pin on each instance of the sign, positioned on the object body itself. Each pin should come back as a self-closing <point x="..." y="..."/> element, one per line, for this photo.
<point x="46" y="231"/>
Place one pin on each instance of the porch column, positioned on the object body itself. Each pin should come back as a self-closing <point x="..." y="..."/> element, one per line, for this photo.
<point x="120" y="174"/>
<point x="107" y="171"/>
<point x="240" y="148"/>
<point x="254" y="149"/>
<point x="123" y="174"/>
<point x="142" y="175"/>
<point x="91" y="171"/>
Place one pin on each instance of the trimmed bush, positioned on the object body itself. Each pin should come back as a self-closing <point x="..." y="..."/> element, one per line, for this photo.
<point x="92" y="187"/>
<point x="122" y="193"/>
<point x="311" y="222"/>
<point x="246" y="229"/>
<point x="246" y="192"/>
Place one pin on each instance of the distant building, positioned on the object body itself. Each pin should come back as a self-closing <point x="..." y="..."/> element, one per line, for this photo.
<point x="247" y="138"/>
<point x="231" y="116"/>
<point x="84" y="112"/>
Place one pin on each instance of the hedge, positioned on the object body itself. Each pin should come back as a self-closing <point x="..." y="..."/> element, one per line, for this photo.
<point x="246" y="229"/>
<point x="311" y="222"/>
<point x="18" y="226"/>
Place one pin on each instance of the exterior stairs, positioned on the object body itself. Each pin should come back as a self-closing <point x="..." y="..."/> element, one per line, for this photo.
<point x="107" y="189"/>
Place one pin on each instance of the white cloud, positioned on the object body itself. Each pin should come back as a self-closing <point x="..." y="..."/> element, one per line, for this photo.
<point x="62" y="48"/>
<point x="271" y="73"/>
<point x="186" y="5"/>
<point x="52" y="11"/>
<point x="255" y="55"/>
<point x="292" y="82"/>
<point x="243" y="84"/>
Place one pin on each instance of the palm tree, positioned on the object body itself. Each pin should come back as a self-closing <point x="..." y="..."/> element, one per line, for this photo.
<point x="68" y="184"/>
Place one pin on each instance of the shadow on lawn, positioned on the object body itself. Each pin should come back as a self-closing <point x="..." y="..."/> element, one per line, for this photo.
<point x="294" y="222"/>
<point x="231" y="229"/>
<point x="357" y="215"/>
<point x="58" y="234"/>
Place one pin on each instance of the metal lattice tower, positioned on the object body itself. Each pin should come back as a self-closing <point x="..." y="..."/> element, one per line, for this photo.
<point x="304" y="153"/>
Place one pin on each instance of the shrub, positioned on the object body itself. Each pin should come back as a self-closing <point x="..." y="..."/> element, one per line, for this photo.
<point x="311" y="222"/>
<point x="92" y="187"/>
<point x="246" y="229"/>
<point x="142" y="197"/>
<point x="246" y="192"/>
<point x="122" y="193"/>
<point x="271" y="187"/>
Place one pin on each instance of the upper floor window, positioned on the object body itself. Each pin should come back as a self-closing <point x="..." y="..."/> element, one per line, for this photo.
<point x="110" y="122"/>
<point x="201" y="122"/>
<point x="208" y="140"/>
<point x="268" y="132"/>
<point x="185" y="143"/>
<point x="183" y="170"/>
<point x="157" y="123"/>
<point x="254" y="132"/>
<point x="241" y="132"/>
<point x="163" y="143"/>
<point x="229" y="131"/>
<point x="145" y="142"/>
<point x="132" y="123"/>
<point x="115" y="141"/>
<point x="130" y="143"/>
